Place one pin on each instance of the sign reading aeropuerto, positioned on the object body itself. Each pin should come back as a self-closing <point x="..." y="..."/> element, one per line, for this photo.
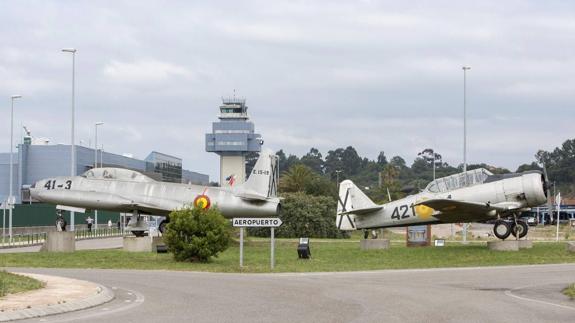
<point x="271" y="223"/>
<point x="256" y="222"/>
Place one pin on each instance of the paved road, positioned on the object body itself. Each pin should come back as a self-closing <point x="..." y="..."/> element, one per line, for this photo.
<point x="496" y="294"/>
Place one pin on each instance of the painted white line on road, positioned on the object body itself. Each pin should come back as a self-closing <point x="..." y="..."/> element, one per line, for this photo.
<point x="510" y="294"/>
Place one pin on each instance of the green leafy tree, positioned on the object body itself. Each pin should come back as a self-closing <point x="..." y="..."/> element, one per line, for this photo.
<point x="286" y="163"/>
<point x="296" y="179"/>
<point x="195" y="234"/>
<point x="313" y="160"/>
<point x="305" y="215"/>
<point x="528" y="167"/>
<point x="300" y="178"/>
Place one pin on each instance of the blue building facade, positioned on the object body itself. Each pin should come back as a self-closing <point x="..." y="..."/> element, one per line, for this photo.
<point x="35" y="162"/>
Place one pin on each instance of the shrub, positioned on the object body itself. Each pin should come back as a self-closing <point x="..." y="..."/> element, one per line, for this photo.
<point x="197" y="234"/>
<point x="305" y="215"/>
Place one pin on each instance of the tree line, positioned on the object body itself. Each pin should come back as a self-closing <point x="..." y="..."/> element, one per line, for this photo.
<point x="313" y="177"/>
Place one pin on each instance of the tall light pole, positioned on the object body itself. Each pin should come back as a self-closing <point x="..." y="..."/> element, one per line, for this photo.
<point x="96" y="165"/>
<point x="73" y="146"/>
<point x="465" y="69"/>
<point x="96" y="143"/>
<point x="10" y="197"/>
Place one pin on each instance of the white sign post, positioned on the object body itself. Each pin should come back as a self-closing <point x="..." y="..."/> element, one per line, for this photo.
<point x="558" y="203"/>
<point x="257" y="223"/>
<point x="3" y="221"/>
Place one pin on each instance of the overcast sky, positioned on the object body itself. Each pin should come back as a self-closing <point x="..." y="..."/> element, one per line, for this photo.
<point x="377" y="75"/>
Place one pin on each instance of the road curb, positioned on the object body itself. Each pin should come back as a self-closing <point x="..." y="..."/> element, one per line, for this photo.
<point x="102" y="296"/>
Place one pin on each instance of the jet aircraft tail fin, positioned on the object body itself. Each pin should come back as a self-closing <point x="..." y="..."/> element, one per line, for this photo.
<point x="352" y="202"/>
<point x="263" y="180"/>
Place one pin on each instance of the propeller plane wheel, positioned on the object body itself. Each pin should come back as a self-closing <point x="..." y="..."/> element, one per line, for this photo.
<point x="519" y="230"/>
<point x="502" y="229"/>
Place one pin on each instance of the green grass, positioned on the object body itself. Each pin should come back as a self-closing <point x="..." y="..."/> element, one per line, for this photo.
<point x="12" y="283"/>
<point x="570" y="291"/>
<point x="327" y="255"/>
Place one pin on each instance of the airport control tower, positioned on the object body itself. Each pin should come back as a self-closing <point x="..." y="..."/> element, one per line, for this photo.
<point x="232" y="138"/>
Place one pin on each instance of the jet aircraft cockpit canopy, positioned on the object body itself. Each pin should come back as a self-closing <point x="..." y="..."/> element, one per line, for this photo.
<point x="117" y="174"/>
<point x="456" y="181"/>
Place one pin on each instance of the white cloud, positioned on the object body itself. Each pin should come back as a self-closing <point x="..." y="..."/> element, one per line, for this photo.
<point x="373" y="74"/>
<point x="143" y="71"/>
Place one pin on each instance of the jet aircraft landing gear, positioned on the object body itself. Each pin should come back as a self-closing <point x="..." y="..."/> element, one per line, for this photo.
<point x="502" y="229"/>
<point x="137" y="225"/>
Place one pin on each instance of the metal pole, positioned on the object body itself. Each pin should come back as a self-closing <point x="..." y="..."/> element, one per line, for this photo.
<point x="10" y="198"/>
<point x="272" y="248"/>
<point x="73" y="144"/>
<point x="96" y="145"/>
<point x="3" y="221"/>
<point x="465" y="68"/>
<point x="96" y="165"/>
<point x="241" y="247"/>
<point x="558" y="213"/>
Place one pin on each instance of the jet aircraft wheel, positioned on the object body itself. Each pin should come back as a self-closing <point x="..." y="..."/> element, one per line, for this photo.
<point x="520" y="229"/>
<point x="502" y="229"/>
<point x="139" y="233"/>
<point x="365" y="234"/>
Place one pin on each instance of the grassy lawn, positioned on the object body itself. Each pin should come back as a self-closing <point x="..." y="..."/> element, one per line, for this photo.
<point x="570" y="291"/>
<point x="327" y="255"/>
<point x="12" y="283"/>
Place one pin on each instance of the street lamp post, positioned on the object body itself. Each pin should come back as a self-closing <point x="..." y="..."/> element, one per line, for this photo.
<point x="10" y="197"/>
<point x="96" y="165"/>
<point x="73" y="146"/>
<point x="465" y="69"/>
<point x="337" y="178"/>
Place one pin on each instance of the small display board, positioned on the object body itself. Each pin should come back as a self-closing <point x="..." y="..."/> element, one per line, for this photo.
<point x="418" y="236"/>
<point x="439" y="243"/>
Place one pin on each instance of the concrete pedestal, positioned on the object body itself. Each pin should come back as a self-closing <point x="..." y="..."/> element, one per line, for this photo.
<point x="506" y="245"/>
<point x="157" y="241"/>
<point x="525" y="244"/>
<point x="370" y="244"/>
<point x="60" y="241"/>
<point x="137" y="244"/>
<point x="571" y="246"/>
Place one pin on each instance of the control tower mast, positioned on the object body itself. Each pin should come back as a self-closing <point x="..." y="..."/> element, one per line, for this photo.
<point x="233" y="137"/>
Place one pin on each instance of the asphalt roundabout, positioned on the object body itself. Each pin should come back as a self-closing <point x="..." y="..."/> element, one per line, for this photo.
<point x="485" y="294"/>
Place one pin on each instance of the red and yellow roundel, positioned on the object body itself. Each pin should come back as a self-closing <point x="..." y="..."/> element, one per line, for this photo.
<point x="202" y="202"/>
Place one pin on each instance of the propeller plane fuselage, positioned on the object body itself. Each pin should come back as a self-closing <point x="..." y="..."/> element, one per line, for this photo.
<point x="447" y="200"/>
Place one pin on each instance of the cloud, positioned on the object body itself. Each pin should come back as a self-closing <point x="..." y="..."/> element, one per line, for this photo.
<point x="144" y="71"/>
<point x="378" y="75"/>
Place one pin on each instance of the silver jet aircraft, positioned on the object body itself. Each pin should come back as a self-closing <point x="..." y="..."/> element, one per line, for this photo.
<point x="474" y="196"/>
<point x="123" y="190"/>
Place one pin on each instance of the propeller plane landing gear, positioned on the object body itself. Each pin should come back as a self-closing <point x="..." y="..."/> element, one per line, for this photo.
<point x="502" y="229"/>
<point x="519" y="229"/>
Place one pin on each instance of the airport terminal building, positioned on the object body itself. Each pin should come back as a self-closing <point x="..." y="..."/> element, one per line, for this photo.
<point x="34" y="162"/>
